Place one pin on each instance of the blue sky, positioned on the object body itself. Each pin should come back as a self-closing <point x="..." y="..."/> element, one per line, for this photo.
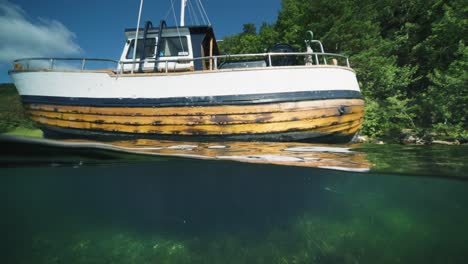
<point x="94" y="28"/>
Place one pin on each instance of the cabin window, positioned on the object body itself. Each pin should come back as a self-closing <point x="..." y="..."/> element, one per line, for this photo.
<point x="174" y="47"/>
<point x="149" y="49"/>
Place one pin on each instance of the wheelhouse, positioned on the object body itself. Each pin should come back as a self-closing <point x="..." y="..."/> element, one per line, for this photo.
<point x="173" y="49"/>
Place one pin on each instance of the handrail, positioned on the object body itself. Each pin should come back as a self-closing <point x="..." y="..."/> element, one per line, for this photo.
<point x="90" y="59"/>
<point x="244" y="55"/>
<point x="52" y="61"/>
<point x="214" y="66"/>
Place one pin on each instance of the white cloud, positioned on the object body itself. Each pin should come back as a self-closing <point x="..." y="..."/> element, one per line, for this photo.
<point x="22" y="38"/>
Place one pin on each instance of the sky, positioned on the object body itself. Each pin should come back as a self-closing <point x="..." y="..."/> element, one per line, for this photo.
<point x="95" y="28"/>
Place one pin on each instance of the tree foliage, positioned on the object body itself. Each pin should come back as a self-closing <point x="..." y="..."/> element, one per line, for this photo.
<point x="410" y="56"/>
<point x="12" y="113"/>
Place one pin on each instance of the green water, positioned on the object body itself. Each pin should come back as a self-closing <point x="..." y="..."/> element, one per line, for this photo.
<point x="95" y="206"/>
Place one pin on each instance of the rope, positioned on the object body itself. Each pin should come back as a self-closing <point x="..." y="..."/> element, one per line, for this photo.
<point x="200" y="11"/>
<point x="204" y="12"/>
<point x="169" y="10"/>
<point x="192" y="13"/>
<point x="177" y="27"/>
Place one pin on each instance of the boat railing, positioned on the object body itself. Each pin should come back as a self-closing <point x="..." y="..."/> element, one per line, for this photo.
<point x="308" y="58"/>
<point x="164" y="65"/>
<point x="63" y="63"/>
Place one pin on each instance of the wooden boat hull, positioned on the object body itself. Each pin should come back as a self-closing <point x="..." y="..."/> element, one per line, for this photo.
<point x="273" y="103"/>
<point x="330" y="119"/>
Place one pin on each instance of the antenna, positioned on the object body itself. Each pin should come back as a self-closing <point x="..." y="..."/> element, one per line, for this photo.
<point x="182" y="12"/>
<point x="136" y="37"/>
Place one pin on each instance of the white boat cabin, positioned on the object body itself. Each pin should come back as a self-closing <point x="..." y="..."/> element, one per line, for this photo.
<point x="168" y="49"/>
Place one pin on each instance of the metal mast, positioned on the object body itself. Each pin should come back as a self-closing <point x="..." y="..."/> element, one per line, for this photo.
<point x="136" y="37"/>
<point x="182" y="12"/>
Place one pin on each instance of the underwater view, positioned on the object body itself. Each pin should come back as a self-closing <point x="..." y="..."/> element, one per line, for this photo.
<point x="148" y="201"/>
<point x="86" y="87"/>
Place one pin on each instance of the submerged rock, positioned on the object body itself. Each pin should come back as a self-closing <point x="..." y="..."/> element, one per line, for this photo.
<point x="361" y="139"/>
<point x="411" y="139"/>
<point x="443" y="142"/>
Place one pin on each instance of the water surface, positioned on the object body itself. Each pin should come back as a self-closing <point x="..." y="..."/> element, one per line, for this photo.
<point x="231" y="202"/>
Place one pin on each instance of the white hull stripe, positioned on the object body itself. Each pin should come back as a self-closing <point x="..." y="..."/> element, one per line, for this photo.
<point x="194" y="101"/>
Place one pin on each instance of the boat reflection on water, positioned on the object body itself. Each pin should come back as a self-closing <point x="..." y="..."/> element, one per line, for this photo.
<point x="338" y="157"/>
<point x="291" y="154"/>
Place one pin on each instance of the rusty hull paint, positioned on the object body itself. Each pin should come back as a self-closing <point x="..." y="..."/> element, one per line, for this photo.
<point x="344" y="116"/>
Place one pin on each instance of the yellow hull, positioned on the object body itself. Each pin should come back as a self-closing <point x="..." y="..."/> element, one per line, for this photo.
<point x="287" y="120"/>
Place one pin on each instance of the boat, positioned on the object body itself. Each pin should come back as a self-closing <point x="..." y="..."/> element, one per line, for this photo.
<point x="177" y="84"/>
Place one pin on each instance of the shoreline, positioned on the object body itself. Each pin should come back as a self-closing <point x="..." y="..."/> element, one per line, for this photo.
<point x="14" y="121"/>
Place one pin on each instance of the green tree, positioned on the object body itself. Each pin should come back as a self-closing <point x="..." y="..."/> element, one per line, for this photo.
<point x="249" y="41"/>
<point x="448" y="96"/>
<point x="249" y="29"/>
<point x="409" y="56"/>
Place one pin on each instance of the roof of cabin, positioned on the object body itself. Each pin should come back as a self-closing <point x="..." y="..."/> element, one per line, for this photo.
<point x="193" y="29"/>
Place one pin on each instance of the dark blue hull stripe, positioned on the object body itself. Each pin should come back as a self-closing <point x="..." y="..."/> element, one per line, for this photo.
<point x="195" y="100"/>
<point x="316" y="137"/>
